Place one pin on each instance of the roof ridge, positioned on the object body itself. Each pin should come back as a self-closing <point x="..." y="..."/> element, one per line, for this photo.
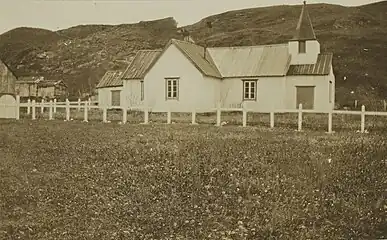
<point x="253" y="46"/>
<point x="194" y="62"/>
<point x="182" y="41"/>
<point x="150" y="50"/>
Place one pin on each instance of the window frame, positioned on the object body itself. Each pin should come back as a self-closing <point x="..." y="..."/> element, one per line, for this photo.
<point x="330" y="91"/>
<point x="255" y="92"/>
<point x="172" y="80"/>
<point x="302" y="43"/>
<point x="111" y="97"/>
<point x="142" y="90"/>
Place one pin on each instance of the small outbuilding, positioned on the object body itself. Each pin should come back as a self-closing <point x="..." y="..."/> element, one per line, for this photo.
<point x="110" y="89"/>
<point x="38" y="87"/>
<point x="27" y="86"/>
<point x="52" y="89"/>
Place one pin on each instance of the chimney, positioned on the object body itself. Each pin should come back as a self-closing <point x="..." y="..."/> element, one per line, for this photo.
<point x="186" y="36"/>
<point x="209" y="27"/>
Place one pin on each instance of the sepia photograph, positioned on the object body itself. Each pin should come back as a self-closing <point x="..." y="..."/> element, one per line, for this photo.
<point x="193" y="119"/>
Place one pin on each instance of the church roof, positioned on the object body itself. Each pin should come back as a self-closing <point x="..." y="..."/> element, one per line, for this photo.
<point x="240" y="61"/>
<point x="304" y="30"/>
<point x="321" y="67"/>
<point x="140" y="64"/>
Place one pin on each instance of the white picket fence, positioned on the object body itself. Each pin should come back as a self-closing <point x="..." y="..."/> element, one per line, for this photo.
<point x="87" y="105"/>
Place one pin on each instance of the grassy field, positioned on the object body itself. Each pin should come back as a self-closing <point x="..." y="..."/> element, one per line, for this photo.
<point x="74" y="180"/>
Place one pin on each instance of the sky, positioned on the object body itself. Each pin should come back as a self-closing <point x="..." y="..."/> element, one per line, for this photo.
<point x="60" y="14"/>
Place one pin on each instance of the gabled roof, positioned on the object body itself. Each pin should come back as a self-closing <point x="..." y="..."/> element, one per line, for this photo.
<point x="140" y="64"/>
<point x="111" y="79"/>
<point x="251" y="61"/>
<point x="241" y="61"/>
<point x="50" y="83"/>
<point x="304" y="30"/>
<point x="40" y="81"/>
<point x="195" y="54"/>
<point x="28" y="79"/>
<point x="321" y="67"/>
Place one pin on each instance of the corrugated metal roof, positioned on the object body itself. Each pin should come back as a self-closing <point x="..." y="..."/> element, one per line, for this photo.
<point x="251" y="61"/>
<point x="111" y="79"/>
<point x="140" y="64"/>
<point x="226" y="62"/>
<point x="322" y="66"/>
<point x="195" y="54"/>
<point x="304" y="30"/>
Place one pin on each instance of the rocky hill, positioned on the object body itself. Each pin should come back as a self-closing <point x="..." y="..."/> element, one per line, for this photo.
<point x="80" y="55"/>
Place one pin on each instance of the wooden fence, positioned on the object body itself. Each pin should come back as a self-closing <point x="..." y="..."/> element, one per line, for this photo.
<point x="87" y="105"/>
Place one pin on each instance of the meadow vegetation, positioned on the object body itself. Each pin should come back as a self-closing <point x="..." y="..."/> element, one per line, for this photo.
<point x="74" y="180"/>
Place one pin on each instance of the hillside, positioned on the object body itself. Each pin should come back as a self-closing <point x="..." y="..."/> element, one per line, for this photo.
<point x="80" y="55"/>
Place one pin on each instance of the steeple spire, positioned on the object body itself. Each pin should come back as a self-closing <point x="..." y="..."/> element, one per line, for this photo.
<point x="304" y="30"/>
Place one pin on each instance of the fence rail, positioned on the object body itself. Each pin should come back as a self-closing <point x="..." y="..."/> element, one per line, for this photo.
<point x="52" y="106"/>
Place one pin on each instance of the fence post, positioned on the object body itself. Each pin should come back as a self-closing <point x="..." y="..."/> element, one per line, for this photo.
<point x="169" y="116"/>
<point x="17" y="107"/>
<point x="271" y="119"/>
<point x="67" y="110"/>
<point x="124" y="114"/>
<point x="300" y="117"/>
<point x="385" y="105"/>
<point x="50" y="111"/>
<point x="85" y="113"/>
<point x="29" y="107"/>
<point x="104" y="114"/>
<point x="146" y="115"/>
<point x="218" y="115"/>
<point x="89" y="100"/>
<point x="79" y="104"/>
<point x="54" y="105"/>
<point x="33" y="109"/>
<point x="42" y="106"/>
<point x="244" y="115"/>
<point x="330" y="121"/>
<point x="362" y="126"/>
<point x="193" y="117"/>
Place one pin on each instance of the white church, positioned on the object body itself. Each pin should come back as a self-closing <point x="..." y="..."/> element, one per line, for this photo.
<point x="184" y="76"/>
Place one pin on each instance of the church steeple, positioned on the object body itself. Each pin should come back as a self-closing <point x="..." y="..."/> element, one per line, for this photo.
<point x="304" y="30"/>
<point x="304" y="46"/>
